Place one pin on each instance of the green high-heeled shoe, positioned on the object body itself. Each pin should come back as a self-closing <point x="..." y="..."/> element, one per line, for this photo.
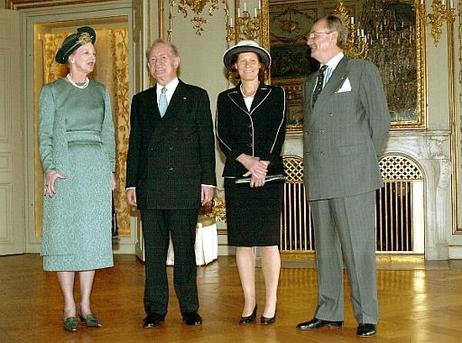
<point x="90" y="320"/>
<point x="70" y="324"/>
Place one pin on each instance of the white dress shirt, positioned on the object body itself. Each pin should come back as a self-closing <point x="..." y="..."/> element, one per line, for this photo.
<point x="331" y="65"/>
<point x="171" y="86"/>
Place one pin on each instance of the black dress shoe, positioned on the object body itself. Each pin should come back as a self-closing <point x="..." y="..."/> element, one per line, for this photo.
<point x="316" y="323"/>
<point x="366" y="330"/>
<point x="192" y="318"/>
<point x="249" y="319"/>
<point x="152" y="320"/>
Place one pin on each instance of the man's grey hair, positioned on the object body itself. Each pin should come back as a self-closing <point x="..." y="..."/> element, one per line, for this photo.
<point x="172" y="46"/>
<point x="335" y="24"/>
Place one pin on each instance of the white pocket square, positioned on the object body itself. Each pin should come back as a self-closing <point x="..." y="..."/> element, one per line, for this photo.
<point x="346" y="87"/>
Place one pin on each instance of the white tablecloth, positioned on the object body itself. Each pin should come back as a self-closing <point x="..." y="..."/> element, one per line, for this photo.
<point x="206" y="245"/>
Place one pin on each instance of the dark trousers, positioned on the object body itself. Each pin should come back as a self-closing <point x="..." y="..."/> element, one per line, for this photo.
<point x="158" y="225"/>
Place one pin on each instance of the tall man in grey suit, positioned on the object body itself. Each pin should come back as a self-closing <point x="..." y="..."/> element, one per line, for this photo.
<point x="345" y="127"/>
<point x="170" y="172"/>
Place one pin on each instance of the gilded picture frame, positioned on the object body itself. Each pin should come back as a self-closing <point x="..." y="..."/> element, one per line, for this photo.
<point x="290" y="21"/>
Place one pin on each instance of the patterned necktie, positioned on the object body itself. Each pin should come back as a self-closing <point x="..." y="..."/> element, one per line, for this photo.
<point x="163" y="104"/>
<point x="319" y="84"/>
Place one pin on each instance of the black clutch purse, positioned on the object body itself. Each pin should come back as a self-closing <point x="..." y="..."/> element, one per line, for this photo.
<point x="268" y="178"/>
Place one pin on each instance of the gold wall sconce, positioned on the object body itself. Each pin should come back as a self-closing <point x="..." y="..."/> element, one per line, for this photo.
<point x="249" y="22"/>
<point x="356" y="45"/>
<point x="443" y="10"/>
<point x="246" y="25"/>
<point x="250" y="19"/>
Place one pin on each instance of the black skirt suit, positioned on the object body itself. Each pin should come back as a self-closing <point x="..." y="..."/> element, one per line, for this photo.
<point x="252" y="213"/>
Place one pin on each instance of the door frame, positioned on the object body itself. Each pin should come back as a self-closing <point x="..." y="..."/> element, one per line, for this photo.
<point x="48" y="15"/>
<point x="12" y="150"/>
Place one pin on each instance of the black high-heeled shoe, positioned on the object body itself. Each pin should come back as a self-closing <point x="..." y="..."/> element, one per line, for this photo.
<point x="249" y="319"/>
<point x="266" y="321"/>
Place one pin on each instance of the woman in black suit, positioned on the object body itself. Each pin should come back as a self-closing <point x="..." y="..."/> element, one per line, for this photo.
<point x="250" y="127"/>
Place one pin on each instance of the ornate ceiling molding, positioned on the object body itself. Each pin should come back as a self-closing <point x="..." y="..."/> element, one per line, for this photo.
<point x="25" y="4"/>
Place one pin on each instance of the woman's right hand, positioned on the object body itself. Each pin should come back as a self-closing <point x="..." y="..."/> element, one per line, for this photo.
<point x="257" y="181"/>
<point x="50" y="189"/>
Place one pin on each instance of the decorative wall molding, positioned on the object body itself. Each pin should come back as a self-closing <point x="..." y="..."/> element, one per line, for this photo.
<point x="25" y="4"/>
<point x="6" y="163"/>
<point x="6" y="222"/>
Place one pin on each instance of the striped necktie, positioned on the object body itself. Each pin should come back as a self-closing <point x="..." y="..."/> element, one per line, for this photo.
<point x="319" y="85"/>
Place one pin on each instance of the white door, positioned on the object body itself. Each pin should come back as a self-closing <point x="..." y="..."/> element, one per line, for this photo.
<point x="12" y="173"/>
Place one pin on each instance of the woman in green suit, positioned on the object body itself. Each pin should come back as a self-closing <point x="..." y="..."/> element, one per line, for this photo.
<point x="77" y="149"/>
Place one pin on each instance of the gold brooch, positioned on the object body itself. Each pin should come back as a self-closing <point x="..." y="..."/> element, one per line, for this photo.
<point x="84" y="38"/>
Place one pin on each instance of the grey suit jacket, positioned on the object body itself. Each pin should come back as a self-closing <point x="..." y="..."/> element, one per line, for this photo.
<point x="345" y="131"/>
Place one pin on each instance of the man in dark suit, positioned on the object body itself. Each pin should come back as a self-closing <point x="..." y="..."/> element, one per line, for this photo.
<point x="170" y="173"/>
<point x="345" y="127"/>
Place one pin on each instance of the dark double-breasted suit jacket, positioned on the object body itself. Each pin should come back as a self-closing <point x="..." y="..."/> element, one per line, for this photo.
<point x="170" y="157"/>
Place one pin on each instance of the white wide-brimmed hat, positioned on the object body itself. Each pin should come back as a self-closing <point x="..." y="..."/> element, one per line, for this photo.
<point x="246" y="46"/>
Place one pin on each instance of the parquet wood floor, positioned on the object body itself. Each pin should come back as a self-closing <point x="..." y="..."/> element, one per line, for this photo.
<point x="419" y="302"/>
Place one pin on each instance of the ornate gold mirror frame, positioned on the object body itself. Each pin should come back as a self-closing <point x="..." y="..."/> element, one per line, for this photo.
<point x="399" y="51"/>
<point x="397" y="47"/>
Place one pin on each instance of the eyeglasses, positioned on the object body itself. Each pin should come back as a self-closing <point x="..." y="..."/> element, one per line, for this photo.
<point x="314" y="34"/>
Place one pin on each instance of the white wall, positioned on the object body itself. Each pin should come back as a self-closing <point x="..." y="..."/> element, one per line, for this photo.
<point x="201" y="55"/>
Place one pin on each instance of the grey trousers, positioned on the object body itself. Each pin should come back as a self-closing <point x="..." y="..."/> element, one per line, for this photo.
<point x="344" y="231"/>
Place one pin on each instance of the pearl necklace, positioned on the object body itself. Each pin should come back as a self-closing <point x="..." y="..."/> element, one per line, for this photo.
<point x="82" y="86"/>
<point x="247" y="96"/>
